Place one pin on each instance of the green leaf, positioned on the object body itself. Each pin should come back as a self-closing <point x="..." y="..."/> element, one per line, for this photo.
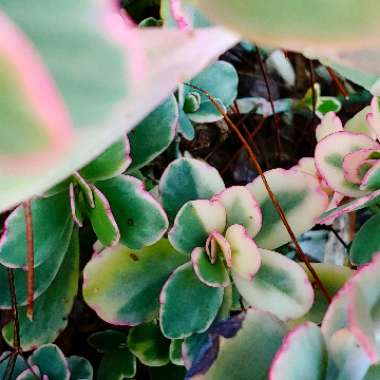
<point x="302" y="355"/>
<point x="111" y="163"/>
<point x="80" y="368"/>
<point x="241" y="208"/>
<point x="19" y="367"/>
<point x="211" y="274"/>
<point x="51" y="362"/>
<point x="371" y="180"/>
<point x="187" y="179"/>
<point x="154" y="134"/>
<point x="107" y="340"/>
<point x="51" y="309"/>
<point x="246" y="257"/>
<point x="102" y="219"/>
<point x="103" y="96"/>
<point x="148" y="344"/>
<point x="47" y="237"/>
<point x="140" y="218"/>
<point x="175" y="352"/>
<point x="135" y="277"/>
<point x="44" y="275"/>
<point x="366" y="242"/>
<point x="299" y="195"/>
<point x="242" y="348"/>
<point x="207" y="112"/>
<point x="117" y="365"/>
<point x="329" y="155"/>
<point x="194" y="222"/>
<point x="373" y="372"/>
<point x="185" y="127"/>
<point x="187" y="305"/>
<point x="280" y="286"/>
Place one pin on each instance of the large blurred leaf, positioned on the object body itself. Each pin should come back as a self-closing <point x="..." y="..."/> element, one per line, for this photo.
<point x="104" y="93"/>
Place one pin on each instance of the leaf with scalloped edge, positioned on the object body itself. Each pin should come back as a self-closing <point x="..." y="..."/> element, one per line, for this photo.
<point x="241" y="208"/>
<point x="187" y="179"/>
<point x="246" y="258"/>
<point x="299" y="195"/>
<point x="140" y="218"/>
<point x="302" y="355"/>
<point x="48" y="236"/>
<point x="280" y="286"/>
<point x="194" y="222"/>
<point x="187" y="305"/>
<point x="112" y="162"/>
<point x="148" y="344"/>
<point x="153" y="134"/>
<point x="329" y="156"/>
<point x="253" y="336"/>
<point x="51" y="309"/>
<point x="211" y="274"/>
<point x="135" y="276"/>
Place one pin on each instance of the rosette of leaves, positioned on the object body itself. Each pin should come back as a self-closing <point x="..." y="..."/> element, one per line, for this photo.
<point x="46" y="363"/>
<point x="117" y="206"/>
<point x="121" y="351"/>
<point x="216" y="234"/>
<point x="220" y="80"/>
<point x="344" y="347"/>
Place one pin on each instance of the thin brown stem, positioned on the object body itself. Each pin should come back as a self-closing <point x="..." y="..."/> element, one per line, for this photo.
<point x="337" y="82"/>
<point x="272" y="196"/>
<point x="30" y="257"/>
<point x="16" y="321"/>
<point x="275" y="116"/>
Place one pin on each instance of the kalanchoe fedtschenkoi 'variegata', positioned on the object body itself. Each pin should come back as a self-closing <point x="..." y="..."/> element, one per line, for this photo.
<point x="47" y="362"/>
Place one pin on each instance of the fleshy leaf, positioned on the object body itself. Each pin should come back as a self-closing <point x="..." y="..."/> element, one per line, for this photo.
<point x="112" y="162"/>
<point x="211" y="274"/>
<point x="175" y="351"/>
<point x="107" y="340"/>
<point x="366" y="242"/>
<point x="19" y="367"/>
<point x="246" y="258"/>
<point x="299" y="195"/>
<point x="353" y="164"/>
<point x="194" y="222"/>
<point x="118" y="365"/>
<point x="207" y="112"/>
<point x="371" y="180"/>
<point x="187" y="179"/>
<point x="373" y="372"/>
<point x="329" y="155"/>
<point x="280" y="286"/>
<point x="154" y="134"/>
<point x="48" y="236"/>
<point x="148" y="345"/>
<point x="330" y="123"/>
<point x="34" y="122"/>
<point x="135" y="276"/>
<point x="80" y="368"/>
<point x="359" y="123"/>
<point x="140" y="218"/>
<point x="303" y="355"/>
<point x="185" y="127"/>
<point x="356" y="204"/>
<point x="32" y="373"/>
<point x="51" y="309"/>
<point x="51" y="362"/>
<point x="198" y="306"/>
<point x="106" y="99"/>
<point x="241" y="208"/>
<point x="254" y="335"/>
<point x="102" y="219"/>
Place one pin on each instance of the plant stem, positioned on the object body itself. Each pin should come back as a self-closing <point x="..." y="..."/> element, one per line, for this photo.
<point x="30" y="257"/>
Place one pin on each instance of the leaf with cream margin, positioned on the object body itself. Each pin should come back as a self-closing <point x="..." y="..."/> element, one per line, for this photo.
<point x="187" y="179"/>
<point x="280" y="287"/>
<point x="51" y="309"/>
<point x="246" y="258"/>
<point x="187" y="305"/>
<point x="102" y="97"/>
<point x="241" y="208"/>
<point x="299" y="195"/>
<point x="354" y="205"/>
<point x="371" y="179"/>
<point x="154" y="134"/>
<point x="194" y="222"/>
<point x="329" y="156"/>
<point x="80" y="368"/>
<point x="253" y="335"/>
<point x="302" y="355"/>
<point x="359" y="123"/>
<point x="48" y="236"/>
<point x="329" y="124"/>
<point x="136" y="277"/>
<point x="140" y="219"/>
